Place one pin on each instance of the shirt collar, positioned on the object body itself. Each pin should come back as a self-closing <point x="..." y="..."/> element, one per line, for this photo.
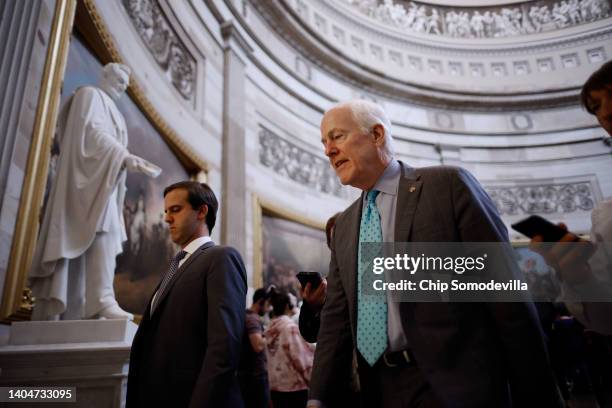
<point x="388" y="183"/>
<point x="196" y="243"/>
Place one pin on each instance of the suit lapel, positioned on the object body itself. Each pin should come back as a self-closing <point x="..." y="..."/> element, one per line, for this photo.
<point x="407" y="199"/>
<point x="348" y="251"/>
<point x="179" y="273"/>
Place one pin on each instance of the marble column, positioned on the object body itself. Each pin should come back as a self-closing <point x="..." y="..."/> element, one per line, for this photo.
<point x="24" y="28"/>
<point x="234" y="195"/>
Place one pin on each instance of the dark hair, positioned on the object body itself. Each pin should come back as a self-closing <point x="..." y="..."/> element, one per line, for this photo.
<point x="329" y="228"/>
<point x="598" y="80"/>
<point x="280" y="300"/>
<point x="259" y="294"/>
<point x="199" y="194"/>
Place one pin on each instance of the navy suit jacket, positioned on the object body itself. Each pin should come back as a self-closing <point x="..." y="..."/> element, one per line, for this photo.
<point x="186" y="354"/>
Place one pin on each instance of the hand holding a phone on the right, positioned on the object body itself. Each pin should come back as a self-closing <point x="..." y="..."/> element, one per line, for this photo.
<point x="569" y="256"/>
<point x="315" y="297"/>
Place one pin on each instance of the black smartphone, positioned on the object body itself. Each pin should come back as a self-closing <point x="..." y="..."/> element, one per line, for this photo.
<point x="314" y="278"/>
<point x="536" y="225"/>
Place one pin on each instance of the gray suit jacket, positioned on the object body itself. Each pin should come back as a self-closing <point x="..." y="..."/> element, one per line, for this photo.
<point x="186" y="353"/>
<point x="472" y="354"/>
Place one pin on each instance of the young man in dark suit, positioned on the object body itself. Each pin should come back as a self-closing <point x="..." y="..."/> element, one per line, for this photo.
<point x="418" y="354"/>
<point x="187" y="348"/>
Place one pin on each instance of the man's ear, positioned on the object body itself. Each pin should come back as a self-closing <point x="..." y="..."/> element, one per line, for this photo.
<point x="202" y="212"/>
<point x="379" y="134"/>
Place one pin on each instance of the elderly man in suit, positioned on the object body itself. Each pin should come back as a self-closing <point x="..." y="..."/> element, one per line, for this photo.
<point x="187" y="348"/>
<point x="418" y="354"/>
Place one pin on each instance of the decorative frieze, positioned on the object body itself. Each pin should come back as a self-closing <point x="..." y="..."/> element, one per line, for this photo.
<point x="545" y="64"/>
<point x="338" y="35"/>
<point x="499" y="69"/>
<point x="570" y="60"/>
<point x="291" y="161"/>
<point x="484" y="22"/>
<point x="596" y="55"/>
<point x="164" y="44"/>
<point x="543" y="199"/>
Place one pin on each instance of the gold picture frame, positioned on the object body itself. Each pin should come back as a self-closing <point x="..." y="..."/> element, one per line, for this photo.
<point x="263" y="207"/>
<point x="16" y="303"/>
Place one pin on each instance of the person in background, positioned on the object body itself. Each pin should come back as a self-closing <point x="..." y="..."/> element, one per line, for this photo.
<point x="252" y="371"/>
<point x="584" y="269"/>
<point x="314" y="299"/>
<point x="289" y="356"/>
<point x="310" y="322"/>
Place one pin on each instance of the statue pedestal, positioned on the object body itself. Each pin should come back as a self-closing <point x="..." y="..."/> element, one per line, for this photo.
<point x="91" y="355"/>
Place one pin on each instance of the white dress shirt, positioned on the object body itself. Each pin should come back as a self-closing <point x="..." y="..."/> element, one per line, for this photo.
<point x="190" y="248"/>
<point x="386" y="202"/>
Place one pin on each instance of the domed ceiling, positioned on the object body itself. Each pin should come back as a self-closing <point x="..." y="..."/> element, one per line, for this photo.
<point x="505" y="55"/>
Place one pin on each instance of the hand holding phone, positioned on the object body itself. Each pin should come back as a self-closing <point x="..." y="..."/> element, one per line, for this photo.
<point x="314" y="289"/>
<point x="314" y="278"/>
<point x="564" y="251"/>
<point x="536" y="225"/>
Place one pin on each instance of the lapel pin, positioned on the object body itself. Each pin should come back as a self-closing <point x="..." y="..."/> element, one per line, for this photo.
<point x="412" y="189"/>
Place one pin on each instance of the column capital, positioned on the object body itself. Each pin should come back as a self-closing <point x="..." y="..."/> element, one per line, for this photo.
<point x="234" y="39"/>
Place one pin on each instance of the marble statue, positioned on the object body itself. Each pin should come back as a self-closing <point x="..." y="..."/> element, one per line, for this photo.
<point x="83" y="227"/>
<point x="433" y="22"/>
<point x="477" y="23"/>
<point x="560" y="14"/>
<point x="410" y="15"/>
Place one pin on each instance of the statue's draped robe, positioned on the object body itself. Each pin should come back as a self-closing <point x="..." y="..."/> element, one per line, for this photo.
<point x="85" y="204"/>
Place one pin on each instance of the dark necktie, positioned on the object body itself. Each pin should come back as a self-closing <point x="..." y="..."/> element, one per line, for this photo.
<point x="174" y="265"/>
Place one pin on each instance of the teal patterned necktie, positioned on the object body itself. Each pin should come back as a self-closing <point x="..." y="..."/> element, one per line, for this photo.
<point x="371" y="310"/>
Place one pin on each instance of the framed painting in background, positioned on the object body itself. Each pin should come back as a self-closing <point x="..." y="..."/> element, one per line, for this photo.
<point x="290" y="247"/>
<point x="148" y="248"/>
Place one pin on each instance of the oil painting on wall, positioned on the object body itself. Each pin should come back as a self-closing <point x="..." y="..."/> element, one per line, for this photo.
<point x="290" y="247"/>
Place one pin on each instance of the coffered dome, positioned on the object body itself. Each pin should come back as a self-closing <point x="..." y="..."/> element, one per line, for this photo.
<point x="510" y="54"/>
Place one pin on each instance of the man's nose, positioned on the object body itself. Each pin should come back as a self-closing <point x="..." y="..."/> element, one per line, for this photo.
<point x="330" y="150"/>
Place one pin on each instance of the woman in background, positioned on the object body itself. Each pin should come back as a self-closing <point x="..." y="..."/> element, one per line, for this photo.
<point x="289" y="356"/>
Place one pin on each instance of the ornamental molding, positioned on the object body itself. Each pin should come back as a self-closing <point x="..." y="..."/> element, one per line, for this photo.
<point x="526" y="198"/>
<point x="297" y="164"/>
<point x="297" y="33"/>
<point x="170" y="53"/>
<point x="336" y="12"/>
<point x="483" y="22"/>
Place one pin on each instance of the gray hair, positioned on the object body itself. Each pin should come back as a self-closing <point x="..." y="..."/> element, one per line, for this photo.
<point x="116" y="68"/>
<point x="368" y="114"/>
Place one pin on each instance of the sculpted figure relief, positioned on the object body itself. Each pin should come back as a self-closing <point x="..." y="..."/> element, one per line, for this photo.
<point x="492" y="22"/>
<point x="83" y="227"/>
